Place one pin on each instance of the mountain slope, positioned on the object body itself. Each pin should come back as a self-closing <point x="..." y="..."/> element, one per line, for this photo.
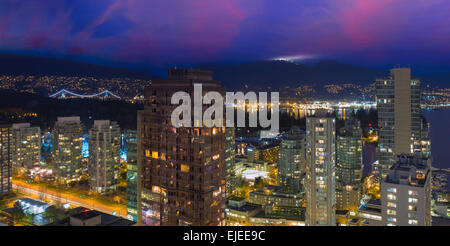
<point x="32" y="65"/>
<point x="277" y="74"/>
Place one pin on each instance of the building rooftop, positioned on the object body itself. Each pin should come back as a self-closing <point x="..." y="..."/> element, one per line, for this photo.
<point x="439" y="221"/>
<point x="374" y="202"/>
<point x="410" y="170"/>
<point x="321" y="113"/>
<point x="276" y="191"/>
<point x="86" y="214"/>
<point x="69" y="119"/>
<point x="189" y="74"/>
<point x="101" y="122"/>
<point x="371" y="206"/>
<point x="20" y="125"/>
<point x="369" y="210"/>
<point x="247" y="207"/>
<point x="295" y="133"/>
<point x="236" y="198"/>
<point x="33" y="202"/>
<point x="263" y="215"/>
<point x="342" y="212"/>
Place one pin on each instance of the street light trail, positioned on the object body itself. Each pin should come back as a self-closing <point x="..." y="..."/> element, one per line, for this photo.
<point x="81" y="203"/>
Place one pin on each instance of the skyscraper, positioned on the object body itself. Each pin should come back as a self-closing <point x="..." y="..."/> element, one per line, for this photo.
<point x="183" y="169"/>
<point x="399" y="119"/>
<point x="5" y="159"/>
<point x="406" y="192"/>
<point x="26" y="150"/>
<point x="104" y="156"/>
<point x="132" y="175"/>
<point x="291" y="160"/>
<point x="66" y="140"/>
<point x="348" y="166"/>
<point x="230" y="159"/>
<point x="320" y="170"/>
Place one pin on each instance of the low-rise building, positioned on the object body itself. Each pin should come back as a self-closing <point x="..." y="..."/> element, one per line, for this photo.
<point x="238" y="212"/>
<point x="263" y="219"/>
<point x="369" y="214"/>
<point x="88" y="217"/>
<point x="271" y="194"/>
<point x="406" y="192"/>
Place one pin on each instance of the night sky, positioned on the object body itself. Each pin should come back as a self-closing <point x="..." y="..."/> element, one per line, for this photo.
<point x="167" y="32"/>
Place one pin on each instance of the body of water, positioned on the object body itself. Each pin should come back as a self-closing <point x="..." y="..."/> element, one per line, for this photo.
<point x="440" y="136"/>
<point x="440" y="141"/>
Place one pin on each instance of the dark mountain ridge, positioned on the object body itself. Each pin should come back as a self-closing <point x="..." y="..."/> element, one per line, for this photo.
<point x="275" y="74"/>
<point x="278" y="74"/>
<point x="11" y="64"/>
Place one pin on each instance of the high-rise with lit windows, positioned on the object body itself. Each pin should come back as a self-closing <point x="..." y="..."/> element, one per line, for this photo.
<point x="104" y="156"/>
<point x="230" y="160"/>
<point x="26" y="150"/>
<point x="133" y="194"/>
<point x="5" y="160"/>
<point x="406" y="192"/>
<point x="291" y="161"/>
<point x="348" y="165"/>
<point x="66" y="149"/>
<point x="320" y="170"/>
<point x="399" y="118"/>
<point x="183" y="169"/>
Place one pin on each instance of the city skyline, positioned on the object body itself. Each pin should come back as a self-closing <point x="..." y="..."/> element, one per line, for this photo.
<point x="309" y="173"/>
<point x="155" y="114"/>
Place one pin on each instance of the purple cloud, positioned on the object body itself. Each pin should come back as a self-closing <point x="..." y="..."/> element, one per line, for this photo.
<point x="195" y="31"/>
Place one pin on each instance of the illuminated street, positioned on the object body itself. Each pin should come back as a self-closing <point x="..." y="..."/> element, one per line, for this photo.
<point x="51" y="196"/>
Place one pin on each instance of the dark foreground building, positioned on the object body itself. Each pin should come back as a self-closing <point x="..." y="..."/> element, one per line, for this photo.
<point x="183" y="169"/>
<point x="5" y="159"/>
<point x="86" y="217"/>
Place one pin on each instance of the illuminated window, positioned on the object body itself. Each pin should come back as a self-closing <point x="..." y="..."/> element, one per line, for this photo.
<point x="390" y="189"/>
<point x="412" y="200"/>
<point x="184" y="168"/>
<point x="412" y="215"/>
<point x="413" y="222"/>
<point x="412" y="193"/>
<point x="147" y="153"/>
<point x="392" y="197"/>
<point x="155" y="154"/>
<point x="392" y="204"/>
<point x="156" y="189"/>
<point x="391" y="212"/>
<point x="391" y="219"/>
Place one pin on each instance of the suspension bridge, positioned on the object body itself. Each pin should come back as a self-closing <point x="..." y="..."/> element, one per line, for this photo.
<point x="69" y="94"/>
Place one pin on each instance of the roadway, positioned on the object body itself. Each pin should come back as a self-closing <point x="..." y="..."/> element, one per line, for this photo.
<point x="89" y="203"/>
